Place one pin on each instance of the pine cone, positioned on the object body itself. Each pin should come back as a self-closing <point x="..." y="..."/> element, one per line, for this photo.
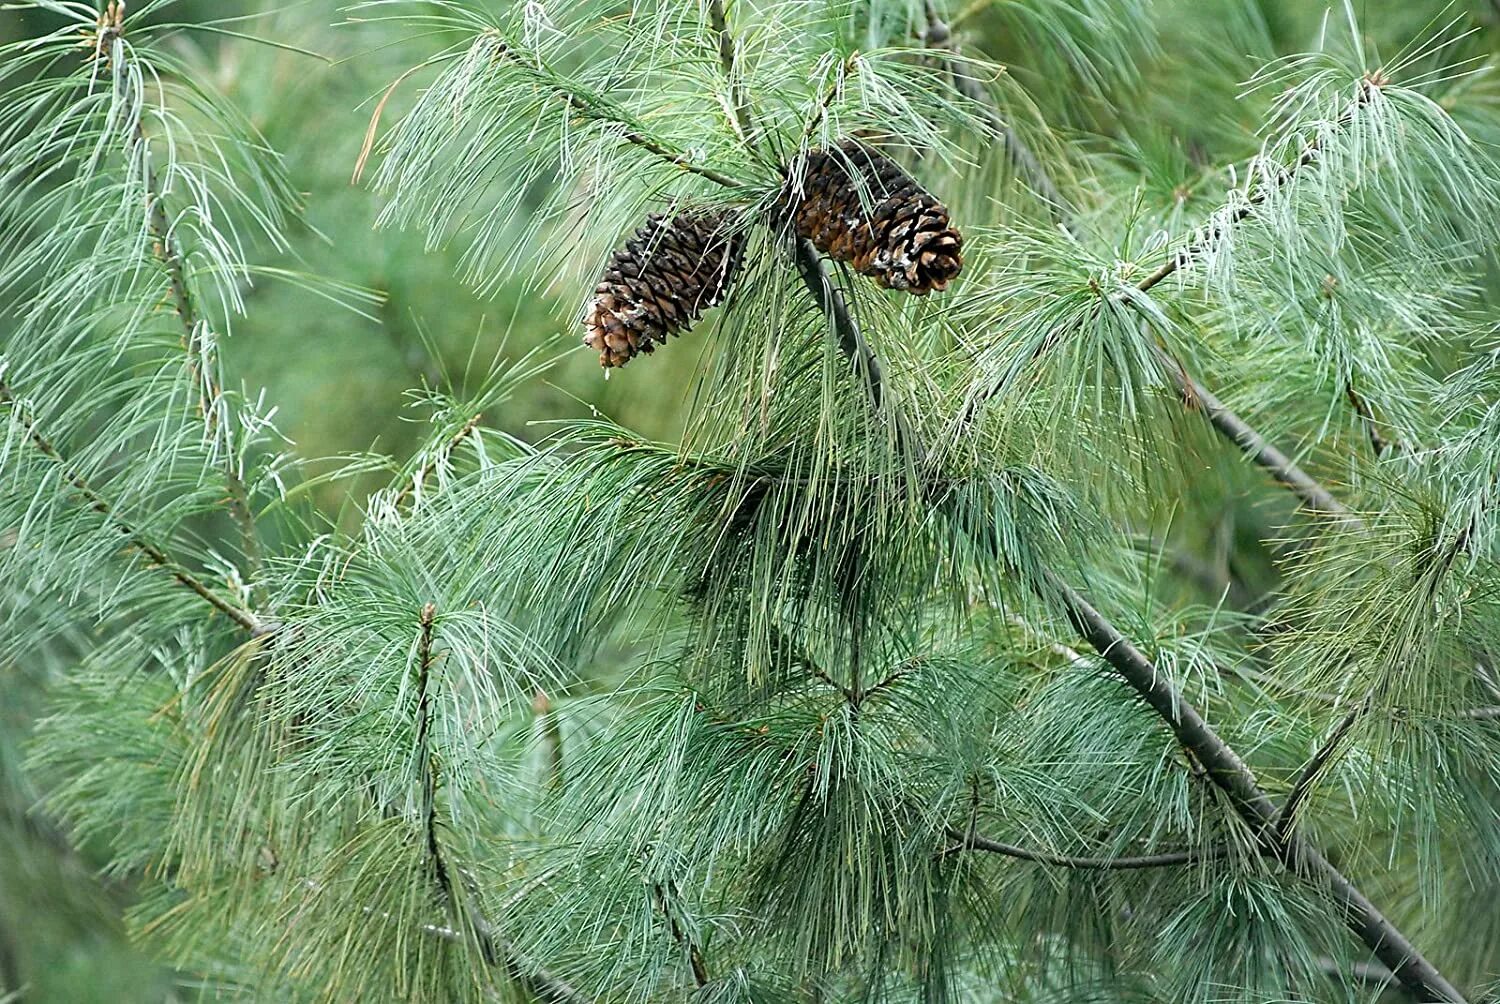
<point x="668" y="273"/>
<point x="858" y="206"/>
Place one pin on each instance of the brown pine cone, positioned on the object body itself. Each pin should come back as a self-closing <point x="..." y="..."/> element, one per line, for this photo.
<point x="858" y="206"/>
<point x="667" y="274"/>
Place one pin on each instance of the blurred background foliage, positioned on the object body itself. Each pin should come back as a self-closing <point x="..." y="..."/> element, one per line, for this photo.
<point x="1166" y="115"/>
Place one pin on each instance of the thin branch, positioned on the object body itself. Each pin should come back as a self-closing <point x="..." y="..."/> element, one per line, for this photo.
<point x="1074" y="657"/>
<point x="784" y="642"/>
<point x="427" y="766"/>
<point x="494" y="949"/>
<point x="976" y="842"/>
<point x="1228" y="772"/>
<point x="1481" y="714"/>
<point x="428" y="769"/>
<point x="830" y="300"/>
<point x="729" y="59"/>
<point x="1251" y="443"/>
<point x="677" y="159"/>
<point x="154" y="554"/>
<point x="820" y="112"/>
<point x="629" y="134"/>
<point x="686" y="944"/>
<point x="167" y="252"/>
<point x="851" y="340"/>
<point x="541" y="981"/>
<point x="546" y="716"/>
<point x="884" y="683"/>
<point x="818" y="672"/>
<point x="1378" y="443"/>
<point x="209" y="390"/>
<point x="1239" y="432"/>
<point x="1193" y="251"/>
<point x="1367" y="974"/>
<point x="1194" y="395"/>
<point x="1224" y="768"/>
<point x="419" y="478"/>
<point x="939" y="36"/>
<point x="1303" y="786"/>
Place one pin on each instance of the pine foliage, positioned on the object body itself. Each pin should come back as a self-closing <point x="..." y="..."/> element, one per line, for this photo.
<point x="1113" y="624"/>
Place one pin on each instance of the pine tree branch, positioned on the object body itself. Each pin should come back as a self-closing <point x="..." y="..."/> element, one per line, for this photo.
<point x="493" y="947"/>
<point x="1320" y="759"/>
<point x="419" y="478"/>
<point x="1257" y="448"/>
<point x="1367" y="974"/>
<point x="977" y="842"/>
<point x="166" y="251"/>
<point x="627" y="131"/>
<point x="1481" y="714"/>
<point x="209" y="391"/>
<point x="425" y="765"/>
<point x="815" y="277"/>
<point x="851" y="340"/>
<point x="541" y="981"/>
<point x="430" y="775"/>
<point x="830" y="300"/>
<point x="1251" y="443"/>
<point x="686" y="944"/>
<point x="728" y="59"/>
<point x="884" y="683"/>
<point x="1378" y="443"/>
<point x="1190" y="254"/>
<point x="679" y="160"/>
<point x="153" y="553"/>
<point x="1228" y="772"/>
<point x="1254" y="446"/>
<point x="833" y="684"/>
<point x="1221" y="764"/>
<point x="939" y="36"/>
<point x="820" y="114"/>
<point x="546" y="716"/>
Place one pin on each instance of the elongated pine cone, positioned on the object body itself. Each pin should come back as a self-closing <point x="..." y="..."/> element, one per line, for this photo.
<point x="858" y="206"/>
<point x="668" y="273"/>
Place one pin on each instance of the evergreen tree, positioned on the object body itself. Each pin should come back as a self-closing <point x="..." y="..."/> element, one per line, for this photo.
<point x="1070" y="575"/>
